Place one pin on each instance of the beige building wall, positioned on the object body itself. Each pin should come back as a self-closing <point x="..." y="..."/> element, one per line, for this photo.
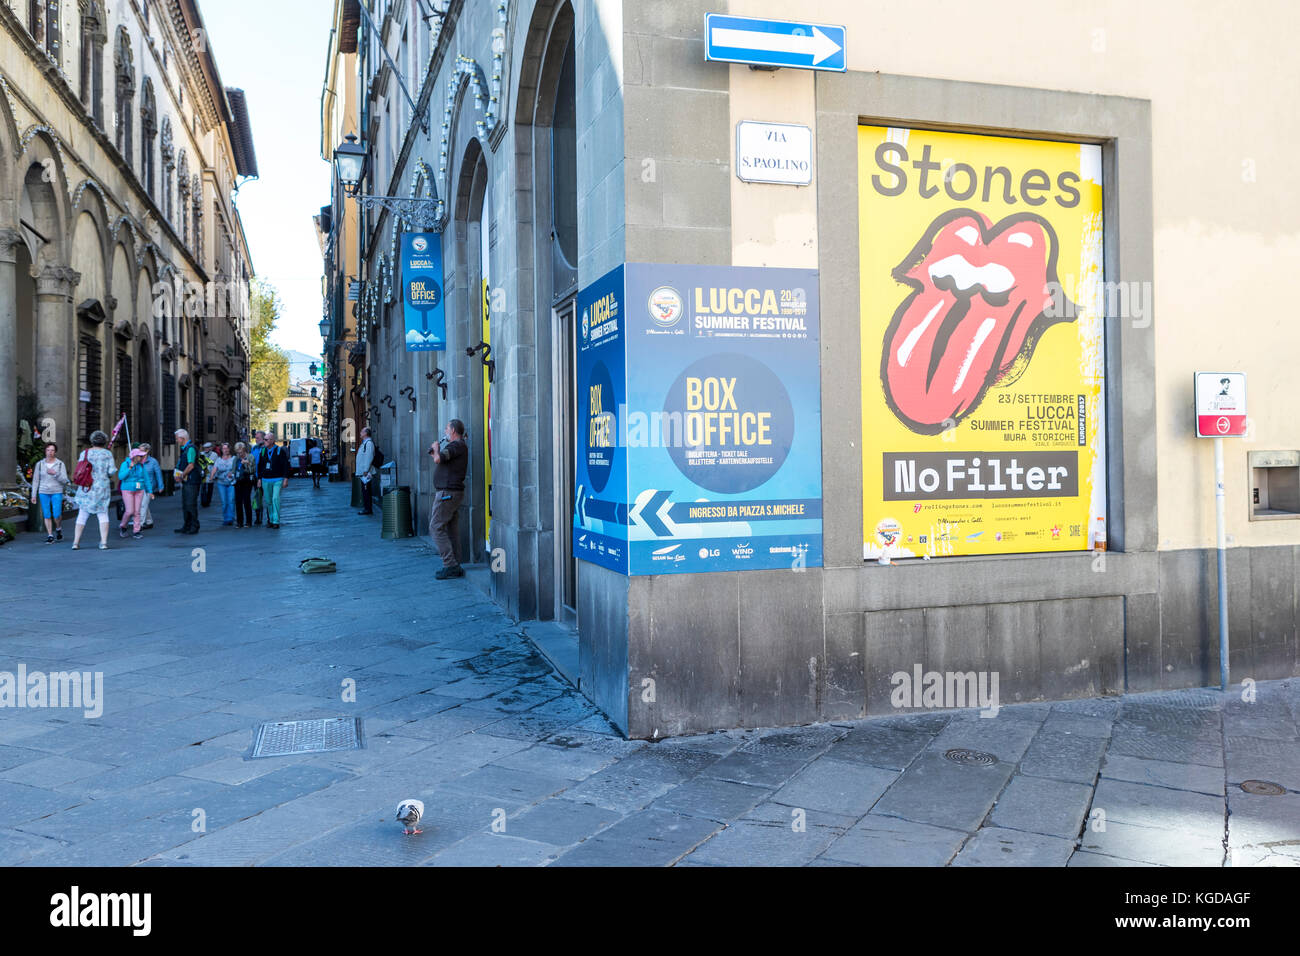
<point x="1227" y="217"/>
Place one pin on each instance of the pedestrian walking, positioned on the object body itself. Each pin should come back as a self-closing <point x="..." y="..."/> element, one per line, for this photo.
<point x="135" y="484"/>
<point x="451" y="457"/>
<point x="94" y="500"/>
<point x="243" y="486"/>
<point x="316" y="464"/>
<point x="49" y="479"/>
<point x="365" y="469"/>
<point x="273" y="475"/>
<point x="259" y="449"/>
<point x="206" y="459"/>
<point x="224" y="473"/>
<point x="156" y="477"/>
<point x="190" y="477"/>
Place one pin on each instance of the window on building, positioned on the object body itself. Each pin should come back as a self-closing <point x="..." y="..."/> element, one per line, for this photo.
<point x="183" y="197"/>
<point x="123" y="125"/>
<point x="148" y="130"/>
<point x="183" y="402"/>
<point x="302" y="406"/>
<point x="168" y="154"/>
<point x="92" y="61"/>
<point x="90" y="369"/>
<point x="123" y="387"/>
<point x="200" y="408"/>
<point x="196" y="193"/>
<point x="169" y="408"/>
<point x="564" y="162"/>
<point x="44" y="24"/>
<point x="288" y="406"/>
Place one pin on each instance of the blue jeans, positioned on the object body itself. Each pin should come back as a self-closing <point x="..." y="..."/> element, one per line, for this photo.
<point x="227" y="493"/>
<point x="52" y="506"/>
<point x="271" y="488"/>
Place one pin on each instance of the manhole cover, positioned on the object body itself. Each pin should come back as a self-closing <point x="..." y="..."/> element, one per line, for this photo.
<point x="283" y="737"/>
<point x="1264" y="788"/>
<point x="976" y="758"/>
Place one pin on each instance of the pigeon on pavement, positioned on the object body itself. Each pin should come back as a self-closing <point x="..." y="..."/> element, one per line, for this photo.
<point x="409" y="813"/>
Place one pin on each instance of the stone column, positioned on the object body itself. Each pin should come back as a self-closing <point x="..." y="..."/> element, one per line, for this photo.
<point x="9" y="240"/>
<point x="56" y="385"/>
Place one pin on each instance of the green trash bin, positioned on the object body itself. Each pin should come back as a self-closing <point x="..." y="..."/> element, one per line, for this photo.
<point x="396" y="510"/>
<point x="356" y="492"/>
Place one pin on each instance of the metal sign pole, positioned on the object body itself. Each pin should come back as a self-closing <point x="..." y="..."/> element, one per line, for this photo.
<point x="1223" y="564"/>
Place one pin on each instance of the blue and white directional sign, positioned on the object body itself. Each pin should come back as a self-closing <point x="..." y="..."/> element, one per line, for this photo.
<point x="804" y="46"/>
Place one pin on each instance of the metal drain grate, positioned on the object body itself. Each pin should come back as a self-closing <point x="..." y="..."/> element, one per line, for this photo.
<point x="976" y="758"/>
<point x="326" y="735"/>
<point x="1263" y="788"/>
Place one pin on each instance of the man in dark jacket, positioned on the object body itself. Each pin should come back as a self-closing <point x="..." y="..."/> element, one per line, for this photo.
<point x="191" y="478"/>
<point x="451" y="457"/>
<point x="272" y="476"/>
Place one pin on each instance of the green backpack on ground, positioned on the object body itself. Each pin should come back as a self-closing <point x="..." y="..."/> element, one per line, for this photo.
<point x="317" y="566"/>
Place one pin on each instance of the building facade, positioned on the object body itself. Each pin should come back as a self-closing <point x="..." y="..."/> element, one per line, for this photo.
<point x="124" y="267"/>
<point x="338" y="228"/>
<point x="589" y="172"/>
<point x="301" y="414"/>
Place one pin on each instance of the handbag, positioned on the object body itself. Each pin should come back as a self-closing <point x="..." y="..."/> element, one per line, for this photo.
<point x="83" y="476"/>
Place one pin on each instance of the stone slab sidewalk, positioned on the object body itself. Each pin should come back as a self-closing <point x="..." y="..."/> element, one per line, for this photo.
<point x="201" y="638"/>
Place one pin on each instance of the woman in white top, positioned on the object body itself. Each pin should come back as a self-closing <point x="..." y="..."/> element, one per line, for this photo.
<point x="49" y="478"/>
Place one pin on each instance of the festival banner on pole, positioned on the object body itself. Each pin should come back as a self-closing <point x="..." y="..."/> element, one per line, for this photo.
<point x="422" y="292"/>
<point x="983" y="424"/>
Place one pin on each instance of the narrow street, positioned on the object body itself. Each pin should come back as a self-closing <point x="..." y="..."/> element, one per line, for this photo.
<point x="515" y="768"/>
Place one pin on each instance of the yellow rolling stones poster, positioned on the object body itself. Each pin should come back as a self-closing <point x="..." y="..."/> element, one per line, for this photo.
<point x="982" y="344"/>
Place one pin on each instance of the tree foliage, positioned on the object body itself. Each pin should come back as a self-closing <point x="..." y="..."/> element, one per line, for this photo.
<point x="269" y="372"/>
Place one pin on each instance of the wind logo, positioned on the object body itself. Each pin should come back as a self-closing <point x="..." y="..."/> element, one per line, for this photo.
<point x="73" y="909"/>
<point x="742" y="552"/>
<point x="950" y="690"/>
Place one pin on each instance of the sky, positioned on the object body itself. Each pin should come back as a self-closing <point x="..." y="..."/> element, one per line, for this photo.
<point x="275" y="51"/>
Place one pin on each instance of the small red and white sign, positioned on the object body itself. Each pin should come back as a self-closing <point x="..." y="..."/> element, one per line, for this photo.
<point x="1220" y="404"/>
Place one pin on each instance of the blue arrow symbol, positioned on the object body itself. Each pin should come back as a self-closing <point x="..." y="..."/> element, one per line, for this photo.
<point x="818" y="46"/>
<point x="650" y="514"/>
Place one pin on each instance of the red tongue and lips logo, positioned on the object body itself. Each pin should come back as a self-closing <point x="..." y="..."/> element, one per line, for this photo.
<point x="981" y="298"/>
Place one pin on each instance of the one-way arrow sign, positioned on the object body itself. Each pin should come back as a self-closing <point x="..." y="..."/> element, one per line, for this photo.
<point x="804" y="46"/>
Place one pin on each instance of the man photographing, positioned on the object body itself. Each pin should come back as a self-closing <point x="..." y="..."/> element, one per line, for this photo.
<point x="450" y="457"/>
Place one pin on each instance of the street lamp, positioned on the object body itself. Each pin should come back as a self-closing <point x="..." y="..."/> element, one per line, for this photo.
<point x="325" y="328"/>
<point x="349" y="161"/>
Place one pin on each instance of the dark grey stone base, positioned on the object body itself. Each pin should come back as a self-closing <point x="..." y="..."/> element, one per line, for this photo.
<point x="774" y="648"/>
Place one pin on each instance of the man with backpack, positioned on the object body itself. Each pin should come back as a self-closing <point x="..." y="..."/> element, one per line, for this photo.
<point x="369" y="460"/>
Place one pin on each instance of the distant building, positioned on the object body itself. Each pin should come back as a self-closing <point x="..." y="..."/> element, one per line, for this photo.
<point x="300" y="415"/>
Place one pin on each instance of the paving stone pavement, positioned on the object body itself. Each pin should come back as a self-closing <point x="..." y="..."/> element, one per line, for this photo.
<point x="201" y="638"/>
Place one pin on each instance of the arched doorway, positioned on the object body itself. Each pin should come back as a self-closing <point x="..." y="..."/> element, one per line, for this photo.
<point x="472" y="245"/>
<point x="555" y="249"/>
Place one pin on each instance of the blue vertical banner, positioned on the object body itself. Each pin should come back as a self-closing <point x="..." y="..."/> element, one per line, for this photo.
<point x="600" y="493"/>
<point x="422" y="292"/>
<point x="718" y="425"/>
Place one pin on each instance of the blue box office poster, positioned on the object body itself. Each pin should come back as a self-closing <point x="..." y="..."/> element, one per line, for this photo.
<point x="422" y="292"/>
<point x="717" y="428"/>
